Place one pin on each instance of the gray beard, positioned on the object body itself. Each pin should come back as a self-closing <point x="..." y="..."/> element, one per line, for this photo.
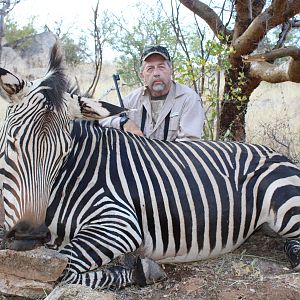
<point x="159" y="87"/>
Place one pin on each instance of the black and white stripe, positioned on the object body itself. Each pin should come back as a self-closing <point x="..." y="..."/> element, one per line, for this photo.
<point x="104" y="193"/>
<point x="187" y="201"/>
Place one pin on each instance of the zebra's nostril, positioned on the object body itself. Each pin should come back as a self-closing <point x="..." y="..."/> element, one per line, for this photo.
<point x="25" y="237"/>
<point x="25" y="231"/>
<point x="21" y="245"/>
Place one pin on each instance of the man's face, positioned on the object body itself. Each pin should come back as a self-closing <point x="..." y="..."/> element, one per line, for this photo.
<point x="157" y="75"/>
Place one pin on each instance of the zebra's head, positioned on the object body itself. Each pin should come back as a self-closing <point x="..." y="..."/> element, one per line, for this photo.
<point x="34" y="140"/>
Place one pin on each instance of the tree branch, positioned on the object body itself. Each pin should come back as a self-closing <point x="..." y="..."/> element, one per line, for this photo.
<point x="293" y="52"/>
<point x="208" y="15"/>
<point x="279" y="12"/>
<point x="98" y="54"/>
<point x="262" y="69"/>
<point x="243" y="17"/>
<point x="257" y="7"/>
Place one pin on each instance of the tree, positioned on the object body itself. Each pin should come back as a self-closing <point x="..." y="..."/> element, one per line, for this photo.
<point x="249" y="64"/>
<point x="14" y="32"/>
<point x="150" y="28"/>
<point x="5" y="7"/>
<point x="197" y="60"/>
<point x="75" y="52"/>
<point x="103" y="33"/>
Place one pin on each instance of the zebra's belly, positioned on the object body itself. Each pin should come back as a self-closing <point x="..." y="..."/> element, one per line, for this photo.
<point x="171" y="255"/>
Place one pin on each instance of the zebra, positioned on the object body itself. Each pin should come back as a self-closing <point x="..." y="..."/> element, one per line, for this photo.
<point x="97" y="194"/>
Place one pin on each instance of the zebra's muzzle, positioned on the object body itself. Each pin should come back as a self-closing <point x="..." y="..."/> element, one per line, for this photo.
<point x="24" y="237"/>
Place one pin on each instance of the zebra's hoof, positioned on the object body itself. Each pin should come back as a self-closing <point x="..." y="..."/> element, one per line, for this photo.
<point x="147" y="272"/>
<point x="292" y="249"/>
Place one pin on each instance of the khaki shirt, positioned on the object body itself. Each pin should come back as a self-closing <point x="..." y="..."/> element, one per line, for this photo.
<point x="183" y="104"/>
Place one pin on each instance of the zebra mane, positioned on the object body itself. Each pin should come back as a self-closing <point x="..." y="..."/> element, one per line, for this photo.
<point x="55" y="80"/>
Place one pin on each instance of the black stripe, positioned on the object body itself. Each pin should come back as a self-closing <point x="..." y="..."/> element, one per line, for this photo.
<point x="166" y="128"/>
<point x="143" y="122"/>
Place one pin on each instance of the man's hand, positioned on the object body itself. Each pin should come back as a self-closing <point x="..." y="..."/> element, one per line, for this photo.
<point x="130" y="126"/>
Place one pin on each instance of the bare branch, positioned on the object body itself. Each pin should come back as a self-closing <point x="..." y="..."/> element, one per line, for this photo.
<point x="262" y="69"/>
<point x="181" y="39"/>
<point x="231" y="13"/>
<point x="279" y="12"/>
<point x="243" y="17"/>
<point x="293" y="52"/>
<point x="208" y="15"/>
<point x="285" y="29"/>
<point x="98" y="55"/>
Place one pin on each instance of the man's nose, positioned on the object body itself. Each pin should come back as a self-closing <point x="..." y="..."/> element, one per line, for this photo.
<point x="156" y="72"/>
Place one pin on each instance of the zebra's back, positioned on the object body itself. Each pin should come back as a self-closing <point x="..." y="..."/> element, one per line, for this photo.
<point x="192" y="200"/>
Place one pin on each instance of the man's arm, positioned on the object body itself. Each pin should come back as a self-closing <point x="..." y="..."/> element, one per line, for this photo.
<point x="115" y="121"/>
<point x="131" y="126"/>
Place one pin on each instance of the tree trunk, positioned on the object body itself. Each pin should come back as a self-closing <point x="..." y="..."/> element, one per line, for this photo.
<point x="253" y="20"/>
<point x="237" y="90"/>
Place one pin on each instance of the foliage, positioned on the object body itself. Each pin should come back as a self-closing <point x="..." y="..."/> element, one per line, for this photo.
<point x="150" y="28"/>
<point x="14" y="32"/>
<point x="197" y="62"/>
<point x="74" y="53"/>
<point x="215" y="66"/>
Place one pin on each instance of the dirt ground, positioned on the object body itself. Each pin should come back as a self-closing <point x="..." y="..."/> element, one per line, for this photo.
<point x="258" y="270"/>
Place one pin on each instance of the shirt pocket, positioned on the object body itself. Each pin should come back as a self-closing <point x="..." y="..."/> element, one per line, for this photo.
<point x="174" y="121"/>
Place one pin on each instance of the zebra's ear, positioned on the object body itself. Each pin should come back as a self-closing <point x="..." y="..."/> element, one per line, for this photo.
<point x="10" y="86"/>
<point x="90" y="109"/>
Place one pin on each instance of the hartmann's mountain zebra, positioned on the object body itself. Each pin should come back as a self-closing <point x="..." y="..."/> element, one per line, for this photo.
<point x="103" y="193"/>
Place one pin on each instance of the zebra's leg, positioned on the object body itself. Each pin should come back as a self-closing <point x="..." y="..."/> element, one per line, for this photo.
<point x="292" y="249"/>
<point x="138" y="271"/>
<point x="98" y="244"/>
<point x="145" y="270"/>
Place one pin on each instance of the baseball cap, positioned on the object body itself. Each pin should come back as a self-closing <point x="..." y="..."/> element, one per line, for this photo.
<point x="155" y="50"/>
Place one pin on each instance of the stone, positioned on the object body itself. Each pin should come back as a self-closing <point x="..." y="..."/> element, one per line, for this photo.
<point x="34" y="48"/>
<point x="79" y="292"/>
<point x="40" y="264"/>
<point x="272" y="117"/>
<point x="11" y="285"/>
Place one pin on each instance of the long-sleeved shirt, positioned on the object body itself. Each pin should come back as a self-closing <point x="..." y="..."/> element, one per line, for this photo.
<point x="182" y="107"/>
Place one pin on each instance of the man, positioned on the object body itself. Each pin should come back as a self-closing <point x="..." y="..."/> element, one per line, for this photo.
<point x="162" y="109"/>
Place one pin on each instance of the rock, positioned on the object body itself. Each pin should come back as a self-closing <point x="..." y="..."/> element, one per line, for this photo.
<point x="40" y="264"/>
<point x="12" y="61"/>
<point x="272" y="117"/>
<point x="79" y="292"/>
<point x="15" y="286"/>
<point x="35" y="48"/>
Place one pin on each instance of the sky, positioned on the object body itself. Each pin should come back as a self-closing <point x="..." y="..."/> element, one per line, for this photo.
<point x="77" y="15"/>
